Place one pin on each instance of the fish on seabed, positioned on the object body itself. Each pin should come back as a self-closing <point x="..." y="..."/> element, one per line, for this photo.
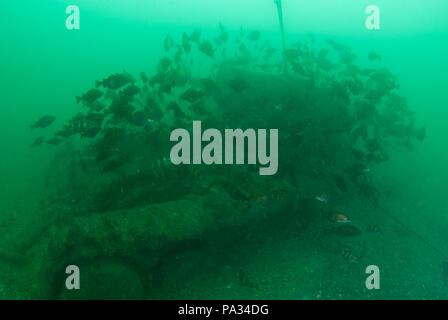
<point x="37" y="142"/>
<point x="206" y="48"/>
<point x="90" y="96"/>
<point x="55" y="141"/>
<point x="344" y="231"/>
<point x="322" y="198"/>
<point x="349" y="256"/>
<point x="374" y="56"/>
<point x="192" y="95"/>
<point x="116" y="80"/>
<point x="338" y="217"/>
<point x="43" y="122"/>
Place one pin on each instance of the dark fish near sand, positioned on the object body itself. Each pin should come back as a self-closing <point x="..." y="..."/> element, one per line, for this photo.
<point x="338" y="217"/>
<point x="66" y="132"/>
<point x="90" y="130"/>
<point x="140" y="118"/>
<point x="344" y="231"/>
<point x="337" y="46"/>
<point x="374" y="56"/>
<point x="238" y="84"/>
<point x="192" y="95"/>
<point x="97" y="106"/>
<point x="206" y="48"/>
<point x="37" y="142"/>
<point x="55" y="141"/>
<point x="90" y="96"/>
<point x="129" y="92"/>
<point x="43" y="122"/>
<point x="116" y="80"/>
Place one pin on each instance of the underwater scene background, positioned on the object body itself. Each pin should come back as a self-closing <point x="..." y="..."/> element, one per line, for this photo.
<point x="86" y="176"/>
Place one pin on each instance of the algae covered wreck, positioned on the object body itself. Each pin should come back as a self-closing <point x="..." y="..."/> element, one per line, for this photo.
<point x="116" y="200"/>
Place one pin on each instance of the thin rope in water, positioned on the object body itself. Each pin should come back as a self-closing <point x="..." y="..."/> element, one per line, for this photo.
<point x="408" y="229"/>
<point x="280" y="19"/>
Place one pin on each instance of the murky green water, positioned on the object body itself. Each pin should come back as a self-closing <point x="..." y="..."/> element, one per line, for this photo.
<point x="361" y="173"/>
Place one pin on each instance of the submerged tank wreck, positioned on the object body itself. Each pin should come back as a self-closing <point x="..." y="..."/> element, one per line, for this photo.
<point x="115" y="201"/>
